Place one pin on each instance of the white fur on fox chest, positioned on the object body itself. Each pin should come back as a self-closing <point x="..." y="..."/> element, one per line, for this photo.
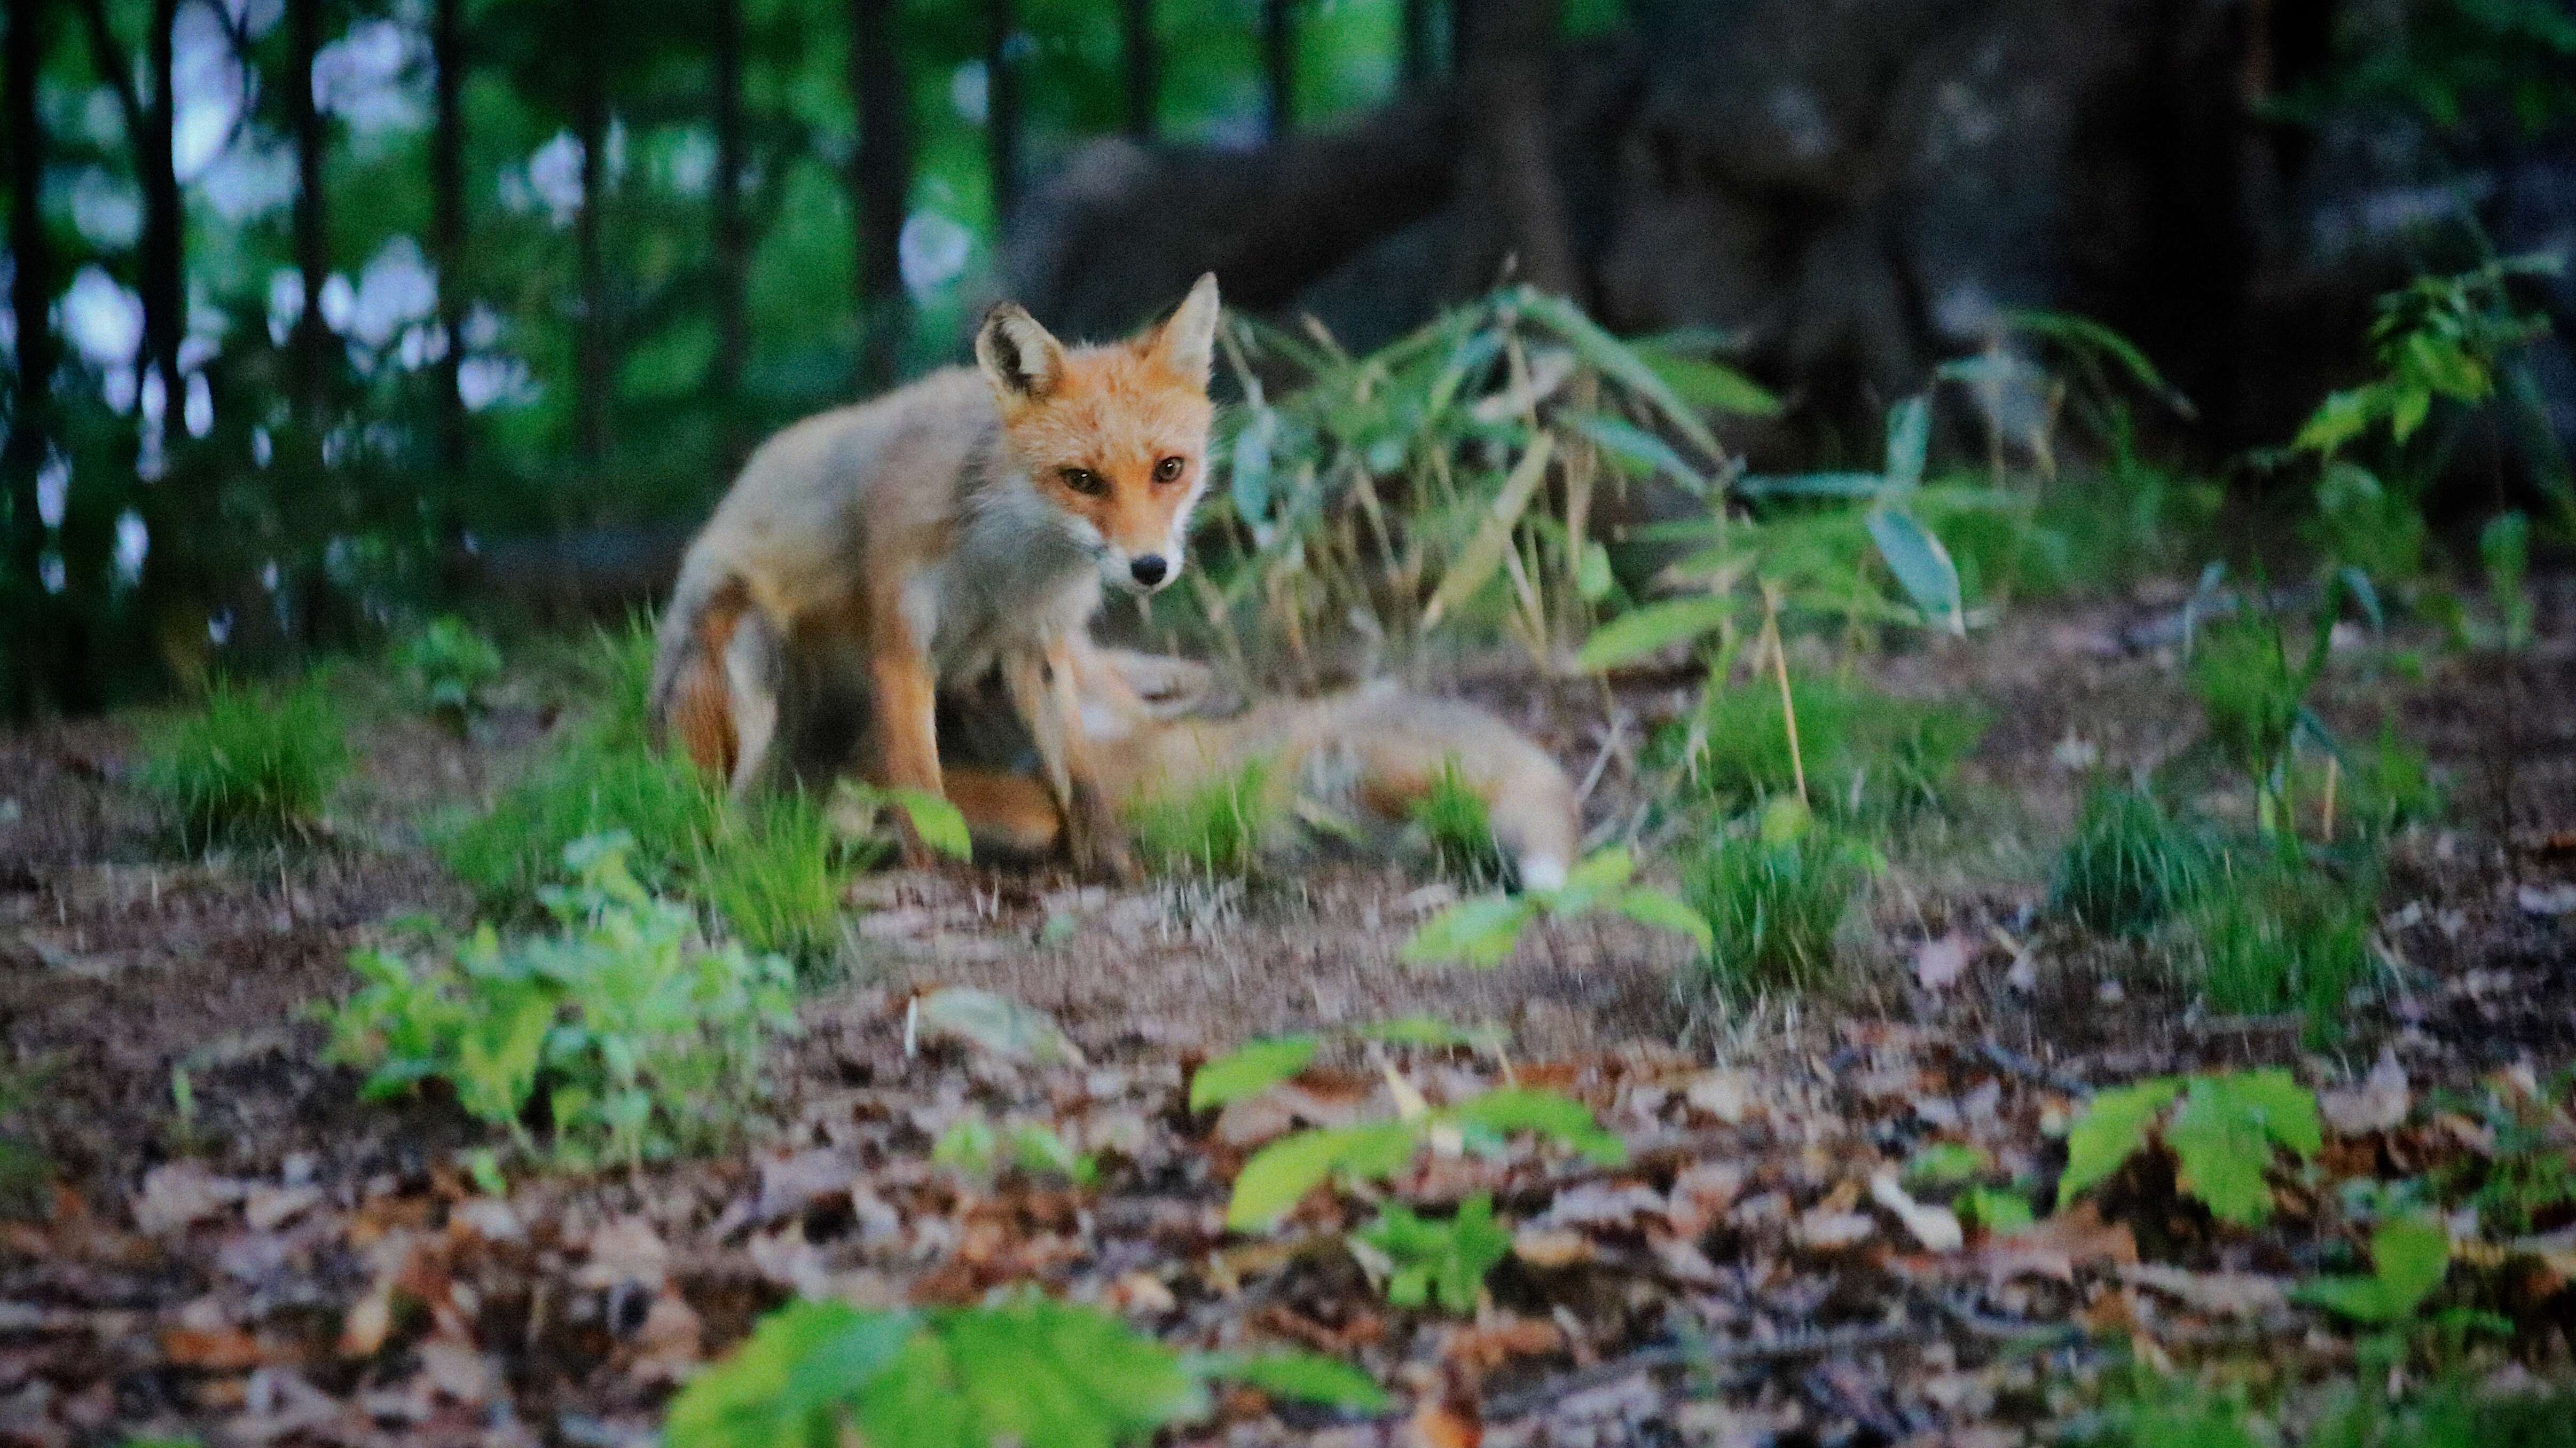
<point x="993" y="595"/>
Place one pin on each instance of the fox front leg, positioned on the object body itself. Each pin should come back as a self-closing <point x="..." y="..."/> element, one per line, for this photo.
<point x="1046" y="694"/>
<point x="907" y="730"/>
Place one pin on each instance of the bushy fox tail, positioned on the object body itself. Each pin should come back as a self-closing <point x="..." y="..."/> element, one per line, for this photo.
<point x="1375" y="752"/>
<point x="697" y="701"/>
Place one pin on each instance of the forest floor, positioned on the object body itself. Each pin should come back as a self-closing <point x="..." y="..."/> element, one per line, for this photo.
<point x="228" y="1245"/>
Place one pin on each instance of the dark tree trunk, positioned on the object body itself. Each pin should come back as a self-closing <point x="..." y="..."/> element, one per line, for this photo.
<point x="590" y="127"/>
<point x="1512" y="173"/>
<point x="881" y="181"/>
<point x="311" y="340"/>
<point x="1002" y="100"/>
<point x="1278" y="68"/>
<point x="732" y="260"/>
<point x="1142" y="63"/>
<point x="164" y="263"/>
<point x="447" y="222"/>
<point x="25" y="652"/>
<point x="1417" y="41"/>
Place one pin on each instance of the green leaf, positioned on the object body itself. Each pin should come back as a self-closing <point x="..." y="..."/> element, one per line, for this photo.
<point x="1446" y="1261"/>
<point x="1427" y="1030"/>
<point x="1711" y="386"/>
<point x="2224" y="1134"/>
<point x="2409" y="1257"/>
<point x="1653" y="907"/>
<point x="1480" y="932"/>
<point x="1641" y="450"/>
<point x="2338" y="420"/>
<point x="1281" y="1174"/>
<point x="940" y="824"/>
<point x="1657" y="626"/>
<point x="1943" y="1163"/>
<point x="1250" y="1069"/>
<point x="2089" y="336"/>
<point x="1921" y="565"/>
<point x="1300" y="1376"/>
<point x="1592" y="575"/>
<point x="2111" y="1130"/>
<point x="1909" y="439"/>
<point x="1616" y="360"/>
<point x="1047" y="1372"/>
<point x="2001" y="1213"/>
<point x="787" y="1384"/>
<point x="1593" y="876"/>
<point x="1549" y="1113"/>
<point x="1814" y="485"/>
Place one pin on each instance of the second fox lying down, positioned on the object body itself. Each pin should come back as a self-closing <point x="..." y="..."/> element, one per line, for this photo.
<point x="874" y="558"/>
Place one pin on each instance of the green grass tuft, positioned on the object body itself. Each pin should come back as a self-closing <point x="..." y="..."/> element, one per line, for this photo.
<point x="1460" y="828"/>
<point x="1215" y="829"/>
<point x="1773" y="901"/>
<point x="772" y="867"/>
<point x="250" y="766"/>
<point x="2130" y="865"/>
<point x="1867" y="756"/>
<point x="448" y="666"/>
<point x="2280" y="934"/>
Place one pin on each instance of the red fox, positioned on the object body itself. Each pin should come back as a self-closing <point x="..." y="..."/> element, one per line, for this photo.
<point x="1372" y="752"/>
<point x="959" y="526"/>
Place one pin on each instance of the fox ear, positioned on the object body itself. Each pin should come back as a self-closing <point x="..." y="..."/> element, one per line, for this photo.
<point x="1021" y="359"/>
<point x="1186" y="342"/>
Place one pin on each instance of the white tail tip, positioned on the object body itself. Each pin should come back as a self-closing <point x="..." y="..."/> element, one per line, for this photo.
<point x="1542" y="872"/>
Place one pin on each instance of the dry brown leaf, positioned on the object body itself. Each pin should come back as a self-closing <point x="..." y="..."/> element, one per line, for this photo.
<point x="1940" y="962"/>
<point x="1937" y="1228"/>
<point x="181" y="1194"/>
<point x="1726" y="1095"/>
<point x="1547" y="1247"/>
<point x="1701" y="1194"/>
<point x="2058" y="1247"/>
<point x="2379" y="1103"/>
<point x="2221" y="1294"/>
<point x="225" y="1349"/>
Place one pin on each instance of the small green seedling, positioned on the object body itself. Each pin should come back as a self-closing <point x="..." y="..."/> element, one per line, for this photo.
<point x="2408" y="1259"/>
<point x="1484" y="930"/>
<point x="1281" y="1174"/>
<point x="635" y="1035"/>
<point x="812" y="1374"/>
<point x="1430" y="1261"/>
<point x="448" y="666"/>
<point x="1459" y="828"/>
<point x="1216" y="829"/>
<point x="2223" y="1137"/>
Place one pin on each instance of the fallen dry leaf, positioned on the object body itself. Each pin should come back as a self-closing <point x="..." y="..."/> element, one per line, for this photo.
<point x="2221" y="1294"/>
<point x="1940" y="962"/>
<point x="2379" y="1103"/>
<point x="1937" y="1228"/>
<point x="992" y="1023"/>
<point x="181" y="1194"/>
<point x="2058" y="1247"/>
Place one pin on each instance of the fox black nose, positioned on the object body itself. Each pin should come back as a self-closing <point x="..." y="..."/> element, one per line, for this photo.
<point x="1149" y="570"/>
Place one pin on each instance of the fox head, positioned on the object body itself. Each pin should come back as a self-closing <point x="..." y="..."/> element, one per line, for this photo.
<point x="1113" y="438"/>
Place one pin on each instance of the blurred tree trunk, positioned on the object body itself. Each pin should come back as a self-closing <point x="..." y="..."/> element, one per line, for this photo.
<point x="732" y="259"/>
<point x="29" y="650"/>
<point x="590" y="127"/>
<point x="881" y="178"/>
<point x="1002" y="106"/>
<point x="310" y="342"/>
<point x="1278" y="68"/>
<point x="1416" y="56"/>
<point x="1142" y="64"/>
<point x="164" y="260"/>
<point x="173" y="587"/>
<point x="447" y="224"/>
<point x="1506" y="50"/>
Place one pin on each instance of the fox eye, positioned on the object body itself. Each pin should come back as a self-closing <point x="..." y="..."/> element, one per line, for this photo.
<point x="1168" y="470"/>
<point x="1083" y="481"/>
